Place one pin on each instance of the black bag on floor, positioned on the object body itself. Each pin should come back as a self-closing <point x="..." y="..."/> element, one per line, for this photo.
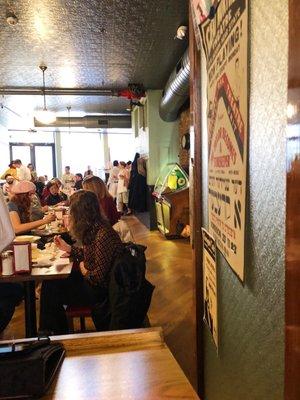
<point x="27" y="369"/>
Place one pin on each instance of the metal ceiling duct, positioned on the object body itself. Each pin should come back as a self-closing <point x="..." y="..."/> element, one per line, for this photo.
<point x="90" y="121"/>
<point x="176" y="91"/>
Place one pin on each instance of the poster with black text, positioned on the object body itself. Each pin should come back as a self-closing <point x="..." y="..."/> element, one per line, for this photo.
<point x="210" y="294"/>
<point x="200" y="11"/>
<point x="225" y="42"/>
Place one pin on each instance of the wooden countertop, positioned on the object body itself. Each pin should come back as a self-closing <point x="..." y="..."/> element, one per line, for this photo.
<point x="132" y="364"/>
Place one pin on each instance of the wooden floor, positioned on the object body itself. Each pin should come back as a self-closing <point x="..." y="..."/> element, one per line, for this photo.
<point x="169" y="268"/>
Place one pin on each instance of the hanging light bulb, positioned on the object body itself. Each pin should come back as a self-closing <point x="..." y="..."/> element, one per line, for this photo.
<point x="45" y="116"/>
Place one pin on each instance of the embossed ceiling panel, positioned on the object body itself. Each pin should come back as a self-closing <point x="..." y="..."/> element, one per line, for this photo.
<point x="90" y="43"/>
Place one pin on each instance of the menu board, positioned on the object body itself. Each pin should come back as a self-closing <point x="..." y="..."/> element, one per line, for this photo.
<point x="225" y="42"/>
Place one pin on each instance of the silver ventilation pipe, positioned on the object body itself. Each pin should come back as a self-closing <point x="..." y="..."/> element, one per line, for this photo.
<point x="176" y="91"/>
<point x="90" y="122"/>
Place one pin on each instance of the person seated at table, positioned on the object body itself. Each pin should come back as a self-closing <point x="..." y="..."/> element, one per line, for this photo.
<point x="10" y="295"/>
<point x="19" y="208"/>
<point x="37" y="210"/>
<point x="40" y="185"/>
<point x="100" y="246"/>
<point x="60" y="188"/>
<point x="55" y="197"/>
<point x="78" y="181"/>
<point x="8" y="185"/>
<point x="106" y="201"/>
<point x="46" y="191"/>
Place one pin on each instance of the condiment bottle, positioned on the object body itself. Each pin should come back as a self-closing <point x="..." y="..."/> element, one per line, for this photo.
<point x="7" y="263"/>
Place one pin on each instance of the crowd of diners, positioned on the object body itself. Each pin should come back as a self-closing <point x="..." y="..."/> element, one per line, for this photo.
<point x="92" y="243"/>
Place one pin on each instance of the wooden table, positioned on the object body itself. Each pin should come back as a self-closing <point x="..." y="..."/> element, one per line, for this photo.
<point x="28" y="280"/>
<point x="130" y="365"/>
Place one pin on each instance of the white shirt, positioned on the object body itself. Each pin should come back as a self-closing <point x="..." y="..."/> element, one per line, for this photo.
<point x="23" y="173"/>
<point x="122" y="181"/>
<point x="113" y="181"/>
<point x="113" y="175"/>
<point x="68" y="181"/>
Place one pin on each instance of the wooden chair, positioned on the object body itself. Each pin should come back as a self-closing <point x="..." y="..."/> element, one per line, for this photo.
<point x="77" y="312"/>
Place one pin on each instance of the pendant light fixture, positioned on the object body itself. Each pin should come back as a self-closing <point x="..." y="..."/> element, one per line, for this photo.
<point x="44" y="116"/>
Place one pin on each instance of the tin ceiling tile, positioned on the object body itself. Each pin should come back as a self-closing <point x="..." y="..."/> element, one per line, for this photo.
<point x="89" y="43"/>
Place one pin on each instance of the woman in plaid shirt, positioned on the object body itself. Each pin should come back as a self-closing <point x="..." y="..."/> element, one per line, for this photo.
<point x="97" y="247"/>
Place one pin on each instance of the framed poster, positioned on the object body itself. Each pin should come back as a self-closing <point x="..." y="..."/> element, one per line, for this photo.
<point x="225" y="42"/>
<point x="200" y="11"/>
<point x="210" y="294"/>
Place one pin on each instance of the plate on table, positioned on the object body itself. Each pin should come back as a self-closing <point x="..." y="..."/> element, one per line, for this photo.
<point x="43" y="232"/>
<point x="40" y="263"/>
<point x="27" y="238"/>
<point x="50" y="231"/>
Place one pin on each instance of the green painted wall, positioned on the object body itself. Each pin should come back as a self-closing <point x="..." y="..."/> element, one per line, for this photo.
<point x="163" y="138"/>
<point x="250" y="363"/>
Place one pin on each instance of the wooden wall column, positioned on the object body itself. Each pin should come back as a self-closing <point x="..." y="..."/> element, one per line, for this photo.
<point x="292" y="297"/>
<point x="196" y="197"/>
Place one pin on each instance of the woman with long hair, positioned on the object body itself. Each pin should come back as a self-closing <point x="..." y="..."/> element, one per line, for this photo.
<point x="19" y="208"/>
<point x="106" y="202"/>
<point x="98" y="245"/>
<point x="55" y="197"/>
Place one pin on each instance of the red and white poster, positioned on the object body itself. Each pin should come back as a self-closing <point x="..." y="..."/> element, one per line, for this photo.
<point x="225" y="42"/>
<point x="201" y="10"/>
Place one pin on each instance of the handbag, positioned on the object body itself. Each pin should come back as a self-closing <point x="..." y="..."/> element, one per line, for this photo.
<point x="27" y="369"/>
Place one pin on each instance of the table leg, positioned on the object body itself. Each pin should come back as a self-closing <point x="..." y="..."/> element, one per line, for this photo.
<point x="30" y="311"/>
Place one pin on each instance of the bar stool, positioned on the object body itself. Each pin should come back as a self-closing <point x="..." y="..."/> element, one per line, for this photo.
<point x="77" y="312"/>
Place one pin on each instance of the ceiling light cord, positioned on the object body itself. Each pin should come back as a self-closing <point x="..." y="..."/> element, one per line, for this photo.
<point x="69" y="118"/>
<point x="44" y="91"/>
<point x="44" y="116"/>
<point x="43" y="68"/>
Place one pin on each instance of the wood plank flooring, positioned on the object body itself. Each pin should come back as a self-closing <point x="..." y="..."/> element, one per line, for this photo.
<point x="169" y="268"/>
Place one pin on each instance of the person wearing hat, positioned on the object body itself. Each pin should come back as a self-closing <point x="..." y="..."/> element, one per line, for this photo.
<point x="19" y="208"/>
